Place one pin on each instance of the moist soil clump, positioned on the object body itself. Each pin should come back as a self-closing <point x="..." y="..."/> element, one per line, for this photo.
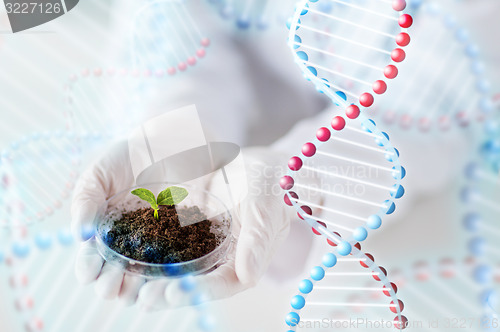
<point x="138" y="235"/>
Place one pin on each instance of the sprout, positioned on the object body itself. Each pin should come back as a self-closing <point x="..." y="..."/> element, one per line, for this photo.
<point x="170" y="196"/>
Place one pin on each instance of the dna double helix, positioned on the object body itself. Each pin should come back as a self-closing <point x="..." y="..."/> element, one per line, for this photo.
<point x="480" y="199"/>
<point x="38" y="174"/>
<point x="444" y="78"/>
<point x="350" y="71"/>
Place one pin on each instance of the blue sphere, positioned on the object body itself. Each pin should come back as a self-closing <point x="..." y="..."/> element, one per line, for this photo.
<point x="391" y="207"/>
<point x="490" y="297"/>
<point x="360" y="234"/>
<point x="292" y="319"/>
<point x="486" y="105"/>
<point x="303" y="55"/>
<point x="21" y="249"/>
<point x="462" y="34"/>
<point x="472" y="171"/>
<point x="188" y="283"/>
<point x="243" y="23"/>
<point x="344" y="248"/>
<point x="317" y="273"/>
<point x="468" y="194"/>
<point x="296" y="45"/>
<point x="374" y="222"/>
<point x="472" y="222"/>
<point x="65" y="238"/>
<point x="477" y="246"/>
<point x="477" y="67"/>
<point x="305" y="9"/>
<point x="398" y="191"/>
<point x="380" y="140"/>
<point x="482" y="274"/>
<point x="329" y="260"/>
<point x="207" y="323"/>
<point x="43" y="241"/>
<point x="198" y="299"/>
<point x="313" y="70"/>
<point x="298" y="302"/>
<point x="472" y="51"/>
<point x="306" y="286"/>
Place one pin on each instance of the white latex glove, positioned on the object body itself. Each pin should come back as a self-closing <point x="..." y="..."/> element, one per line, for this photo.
<point x="260" y="224"/>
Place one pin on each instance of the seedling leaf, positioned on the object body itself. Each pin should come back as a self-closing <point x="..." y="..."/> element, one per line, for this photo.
<point x="172" y="196"/>
<point x="147" y="196"/>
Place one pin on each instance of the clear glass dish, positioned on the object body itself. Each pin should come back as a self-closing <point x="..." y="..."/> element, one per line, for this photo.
<point x="124" y="201"/>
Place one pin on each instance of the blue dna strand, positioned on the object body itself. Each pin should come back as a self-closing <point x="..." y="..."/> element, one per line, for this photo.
<point x="444" y="77"/>
<point x="337" y="298"/>
<point x="38" y="174"/>
<point x="165" y="38"/>
<point x="259" y="14"/>
<point x="480" y="197"/>
<point x="35" y="261"/>
<point x="350" y="204"/>
<point x="103" y="103"/>
<point x="352" y="46"/>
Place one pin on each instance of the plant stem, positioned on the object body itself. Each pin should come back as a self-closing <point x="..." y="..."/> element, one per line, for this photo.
<point x="156" y="215"/>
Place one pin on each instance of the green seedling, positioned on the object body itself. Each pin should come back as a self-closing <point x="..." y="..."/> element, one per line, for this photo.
<point x="170" y="196"/>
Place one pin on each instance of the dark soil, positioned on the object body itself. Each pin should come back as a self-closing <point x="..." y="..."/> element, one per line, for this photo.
<point x="138" y="235"/>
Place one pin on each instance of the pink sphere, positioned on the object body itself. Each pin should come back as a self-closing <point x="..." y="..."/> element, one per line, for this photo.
<point x="295" y="163"/>
<point x="322" y="224"/>
<point x="309" y="149"/>
<point x="352" y="111"/>
<point x="191" y="61"/>
<point x="338" y="123"/>
<point x="171" y="71"/>
<point x="205" y="42"/>
<point x="85" y="72"/>
<point x="400" y="324"/>
<point x="201" y="53"/>
<point x="182" y="66"/>
<point x="391" y="72"/>
<point x="389" y="117"/>
<point x="394" y="288"/>
<point x="405" y="121"/>
<point x="323" y="134"/>
<point x="332" y="243"/>
<point x="287" y="199"/>
<point x="398" y="55"/>
<point x="159" y="73"/>
<point x="365" y="264"/>
<point x="399" y="306"/>
<point x="366" y="99"/>
<point x="111" y="71"/>
<point x="379" y="87"/>
<point x="286" y="182"/>
<point x="463" y="119"/>
<point x="97" y="72"/>
<point x="306" y="209"/>
<point x="384" y="272"/>
<point x="424" y="124"/>
<point x="405" y="21"/>
<point x="135" y="73"/>
<point x="444" y="122"/>
<point x="398" y="5"/>
<point x="403" y="39"/>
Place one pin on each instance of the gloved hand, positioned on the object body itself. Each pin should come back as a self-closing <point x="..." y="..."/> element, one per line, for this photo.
<point x="260" y="224"/>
